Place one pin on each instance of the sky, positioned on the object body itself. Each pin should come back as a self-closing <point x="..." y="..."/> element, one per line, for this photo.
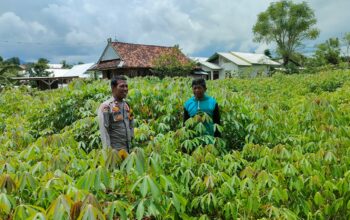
<point x="77" y="30"/>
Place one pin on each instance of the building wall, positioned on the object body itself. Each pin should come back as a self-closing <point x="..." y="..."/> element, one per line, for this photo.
<point x="109" y="54"/>
<point x="227" y="68"/>
<point x="208" y="70"/>
<point x="259" y="70"/>
<point x="230" y="69"/>
<point x="248" y="71"/>
<point x="130" y="72"/>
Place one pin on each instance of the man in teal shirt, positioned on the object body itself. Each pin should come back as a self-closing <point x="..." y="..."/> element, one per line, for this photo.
<point x="201" y="102"/>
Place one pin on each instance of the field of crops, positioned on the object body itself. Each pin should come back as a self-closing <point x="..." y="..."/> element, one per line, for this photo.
<point x="284" y="152"/>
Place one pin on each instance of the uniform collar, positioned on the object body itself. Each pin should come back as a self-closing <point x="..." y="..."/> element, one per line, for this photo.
<point x="115" y="100"/>
<point x="205" y="97"/>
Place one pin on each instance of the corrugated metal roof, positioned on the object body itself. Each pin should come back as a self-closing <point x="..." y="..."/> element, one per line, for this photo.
<point x="79" y="70"/>
<point x="235" y="59"/>
<point x="57" y="72"/>
<point x="55" y="65"/>
<point x="203" y="61"/>
<point x="210" y="65"/>
<point x="255" y="58"/>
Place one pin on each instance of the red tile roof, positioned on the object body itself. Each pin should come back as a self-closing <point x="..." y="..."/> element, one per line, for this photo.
<point x="105" y="65"/>
<point x="137" y="56"/>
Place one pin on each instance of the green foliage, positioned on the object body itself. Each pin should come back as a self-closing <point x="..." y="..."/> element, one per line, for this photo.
<point x="13" y="60"/>
<point x="39" y="68"/>
<point x="65" y="65"/>
<point x="8" y="69"/>
<point x="287" y="24"/>
<point x="267" y="52"/>
<point x="328" y="52"/>
<point x="171" y="64"/>
<point x="284" y="153"/>
<point x="346" y="41"/>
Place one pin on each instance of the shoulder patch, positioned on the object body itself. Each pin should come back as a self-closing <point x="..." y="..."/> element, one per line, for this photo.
<point x="115" y="109"/>
<point x="105" y="108"/>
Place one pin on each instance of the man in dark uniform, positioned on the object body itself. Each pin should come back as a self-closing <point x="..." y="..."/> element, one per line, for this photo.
<point x="200" y="103"/>
<point x="116" y="117"/>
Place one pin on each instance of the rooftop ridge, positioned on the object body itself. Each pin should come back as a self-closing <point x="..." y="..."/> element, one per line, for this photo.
<point x="150" y="45"/>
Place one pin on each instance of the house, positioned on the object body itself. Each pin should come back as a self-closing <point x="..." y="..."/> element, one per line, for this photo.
<point x="210" y="69"/>
<point x="81" y="70"/>
<point x="55" y="65"/>
<point x="119" y="58"/>
<point x="56" y="70"/>
<point x="59" y="76"/>
<point x="237" y="64"/>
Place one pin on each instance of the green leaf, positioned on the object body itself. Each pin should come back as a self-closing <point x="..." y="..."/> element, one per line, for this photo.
<point x="6" y="203"/>
<point x="90" y="212"/>
<point x="154" y="189"/>
<point x="318" y="199"/>
<point x="120" y="207"/>
<point x="60" y="208"/>
<point x="140" y="210"/>
<point x="176" y="202"/>
<point x="25" y="211"/>
<point x="144" y="187"/>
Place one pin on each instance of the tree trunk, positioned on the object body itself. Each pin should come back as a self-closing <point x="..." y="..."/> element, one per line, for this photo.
<point x="285" y="60"/>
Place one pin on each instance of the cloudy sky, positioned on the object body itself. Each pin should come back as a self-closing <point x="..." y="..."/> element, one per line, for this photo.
<point x="77" y="30"/>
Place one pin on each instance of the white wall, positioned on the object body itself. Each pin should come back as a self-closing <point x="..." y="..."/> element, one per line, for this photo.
<point x="259" y="69"/>
<point x="227" y="67"/>
<point x="234" y="70"/>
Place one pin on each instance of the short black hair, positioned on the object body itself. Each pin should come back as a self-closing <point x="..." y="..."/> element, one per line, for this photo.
<point x="199" y="82"/>
<point x="114" y="81"/>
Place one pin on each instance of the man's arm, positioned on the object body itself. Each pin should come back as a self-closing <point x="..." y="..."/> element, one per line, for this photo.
<point x="216" y="120"/>
<point x="186" y="116"/>
<point x="131" y="120"/>
<point x="131" y="125"/>
<point x="103" y="122"/>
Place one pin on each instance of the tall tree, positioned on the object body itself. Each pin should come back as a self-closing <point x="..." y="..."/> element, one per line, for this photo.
<point x="267" y="52"/>
<point x="287" y="24"/>
<point x="39" y="68"/>
<point x="170" y="64"/>
<point x="65" y="65"/>
<point x="7" y="71"/>
<point x="328" y="52"/>
<point x="13" y="60"/>
<point x="346" y="40"/>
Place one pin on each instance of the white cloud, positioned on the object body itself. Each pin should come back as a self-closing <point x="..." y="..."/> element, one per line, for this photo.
<point x="14" y="28"/>
<point x="78" y="29"/>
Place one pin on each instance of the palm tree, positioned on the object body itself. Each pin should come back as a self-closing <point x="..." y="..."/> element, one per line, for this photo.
<point x="7" y="71"/>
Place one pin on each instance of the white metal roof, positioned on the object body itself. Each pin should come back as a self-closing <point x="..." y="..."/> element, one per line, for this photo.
<point x="234" y="59"/>
<point x="255" y="58"/>
<point x="199" y="59"/>
<point x="210" y="65"/>
<point x="57" y="72"/>
<point x="203" y="61"/>
<point x="55" y="65"/>
<point x="79" y="70"/>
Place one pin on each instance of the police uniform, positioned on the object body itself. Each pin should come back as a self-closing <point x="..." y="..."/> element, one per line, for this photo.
<point x="116" y="124"/>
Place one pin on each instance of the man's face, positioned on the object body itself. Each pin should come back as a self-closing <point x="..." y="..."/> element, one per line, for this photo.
<point x="120" y="91"/>
<point x="198" y="91"/>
